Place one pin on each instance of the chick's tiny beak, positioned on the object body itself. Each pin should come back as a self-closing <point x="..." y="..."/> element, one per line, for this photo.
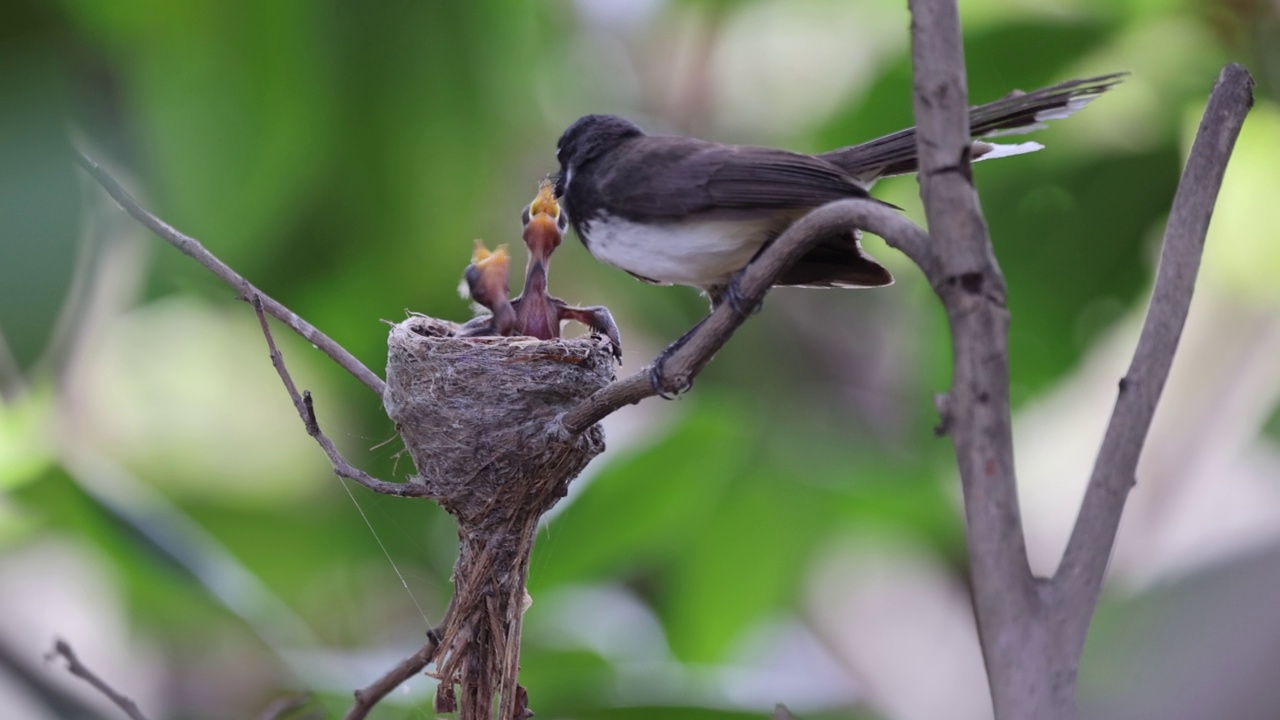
<point x="493" y="261"/>
<point x="486" y="277"/>
<point x="545" y="203"/>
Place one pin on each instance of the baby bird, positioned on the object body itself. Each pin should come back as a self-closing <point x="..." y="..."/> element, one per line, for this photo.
<point x="536" y="313"/>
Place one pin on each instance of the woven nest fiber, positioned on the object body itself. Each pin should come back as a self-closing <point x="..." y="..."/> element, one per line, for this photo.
<point x="474" y="412"/>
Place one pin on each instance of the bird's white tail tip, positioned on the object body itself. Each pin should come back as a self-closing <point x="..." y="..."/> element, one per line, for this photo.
<point x="990" y="151"/>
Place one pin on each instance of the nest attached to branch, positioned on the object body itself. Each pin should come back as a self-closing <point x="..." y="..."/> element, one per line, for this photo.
<point x="474" y="414"/>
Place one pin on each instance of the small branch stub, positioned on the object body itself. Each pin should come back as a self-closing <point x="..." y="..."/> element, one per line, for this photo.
<point x="473" y="413"/>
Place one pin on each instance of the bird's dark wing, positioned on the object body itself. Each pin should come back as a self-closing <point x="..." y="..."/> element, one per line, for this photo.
<point x="679" y="177"/>
<point x="836" y="261"/>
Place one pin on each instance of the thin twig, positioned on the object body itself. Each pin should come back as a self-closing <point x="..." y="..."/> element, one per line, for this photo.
<point x="302" y="403"/>
<point x="192" y="247"/>
<point x="754" y="282"/>
<point x="1084" y="563"/>
<point x="77" y="668"/>
<point x="367" y="697"/>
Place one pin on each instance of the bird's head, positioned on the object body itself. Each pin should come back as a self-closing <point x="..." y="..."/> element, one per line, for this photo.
<point x="544" y="223"/>
<point x="486" y="276"/>
<point x="586" y="139"/>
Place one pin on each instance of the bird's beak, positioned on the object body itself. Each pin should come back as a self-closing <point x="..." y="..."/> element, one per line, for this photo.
<point x="543" y="228"/>
<point x="492" y="266"/>
<point x="486" y="281"/>
<point x="545" y="203"/>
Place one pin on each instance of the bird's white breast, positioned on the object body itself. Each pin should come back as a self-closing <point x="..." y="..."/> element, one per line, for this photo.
<point x="700" y="253"/>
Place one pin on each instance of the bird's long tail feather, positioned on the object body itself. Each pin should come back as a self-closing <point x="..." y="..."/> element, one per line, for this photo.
<point x="1013" y="114"/>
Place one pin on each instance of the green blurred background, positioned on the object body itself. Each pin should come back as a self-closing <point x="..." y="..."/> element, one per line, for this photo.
<point x="788" y="532"/>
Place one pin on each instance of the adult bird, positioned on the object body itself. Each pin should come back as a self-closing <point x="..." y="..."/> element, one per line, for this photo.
<point x="683" y="211"/>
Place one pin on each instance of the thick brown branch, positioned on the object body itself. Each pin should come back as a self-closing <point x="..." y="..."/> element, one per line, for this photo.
<point x="1079" y="577"/>
<point x="972" y="289"/>
<point x="367" y="697"/>
<point x="1020" y="657"/>
<point x="192" y="247"/>
<point x="754" y="282"/>
<point x="77" y="668"/>
<point x="302" y="402"/>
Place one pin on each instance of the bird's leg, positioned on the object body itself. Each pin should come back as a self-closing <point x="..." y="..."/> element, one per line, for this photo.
<point x="501" y="323"/>
<point x="731" y="293"/>
<point x="657" y="375"/>
<point x="719" y="294"/>
<point x="596" y="317"/>
<point x="478" y="326"/>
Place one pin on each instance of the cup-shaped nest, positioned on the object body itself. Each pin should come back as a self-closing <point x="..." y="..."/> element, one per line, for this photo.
<point x="476" y="415"/>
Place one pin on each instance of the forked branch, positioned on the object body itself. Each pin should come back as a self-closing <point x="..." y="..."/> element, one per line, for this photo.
<point x="1084" y="564"/>
<point x="1031" y="631"/>
<point x="62" y="649"/>
<point x="302" y="403"/>
<point x="976" y="410"/>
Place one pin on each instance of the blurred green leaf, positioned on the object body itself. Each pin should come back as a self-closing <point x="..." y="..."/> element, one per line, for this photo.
<point x="745" y="563"/>
<point x="1271" y="428"/>
<point x="643" y="508"/>
<point x="159" y="592"/>
<point x="1241" y="253"/>
<point x="25" y="448"/>
<point x="333" y="569"/>
<point x="39" y="192"/>
<point x="657" y="712"/>
<point x="1030" y="54"/>
<point x="562" y="682"/>
<point x="1071" y="270"/>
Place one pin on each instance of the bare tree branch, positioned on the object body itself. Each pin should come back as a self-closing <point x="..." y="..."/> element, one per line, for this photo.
<point x="1079" y="577"/>
<point x="77" y="668"/>
<point x="367" y="697"/>
<point x="1032" y="631"/>
<point x="302" y="402"/>
<point x="192" y="247"/>
<point x="1024" y="671"/>
<point x="753" y="283"/>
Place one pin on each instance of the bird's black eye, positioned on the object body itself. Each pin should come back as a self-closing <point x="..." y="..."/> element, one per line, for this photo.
<point x="525" y="217"/>
<point x="562" y="222"/>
